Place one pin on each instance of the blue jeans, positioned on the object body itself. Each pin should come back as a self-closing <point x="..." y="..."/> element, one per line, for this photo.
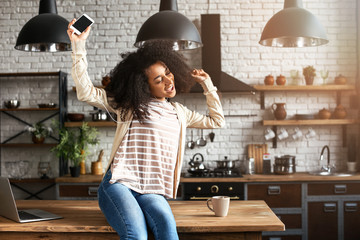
<point x="130" y="213"/>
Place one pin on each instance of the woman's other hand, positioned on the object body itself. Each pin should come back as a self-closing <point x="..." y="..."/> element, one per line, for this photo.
<point x="199" y="75"/>
<point x="73" y="36"/>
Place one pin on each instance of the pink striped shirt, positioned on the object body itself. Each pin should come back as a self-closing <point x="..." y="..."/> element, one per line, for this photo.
<point x="145" y="160"/>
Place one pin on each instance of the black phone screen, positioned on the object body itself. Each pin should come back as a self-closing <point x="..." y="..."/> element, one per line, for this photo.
<point x="82" y="23"/>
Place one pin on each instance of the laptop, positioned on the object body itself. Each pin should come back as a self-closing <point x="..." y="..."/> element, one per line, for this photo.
<point x="9" y="209"/>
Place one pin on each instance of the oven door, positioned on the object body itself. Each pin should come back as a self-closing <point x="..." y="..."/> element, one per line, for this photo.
<point x="206" y="190"/>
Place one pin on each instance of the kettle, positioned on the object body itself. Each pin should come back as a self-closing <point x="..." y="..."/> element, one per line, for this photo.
<point x="197" y="161"/>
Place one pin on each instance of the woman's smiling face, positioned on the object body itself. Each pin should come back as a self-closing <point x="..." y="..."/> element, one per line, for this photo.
<point x="161" y="81"/>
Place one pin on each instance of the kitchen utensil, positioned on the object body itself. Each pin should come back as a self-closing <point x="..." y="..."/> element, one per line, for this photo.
<point x="269" y="134"/>
<point x="197" y="162"/>
<point x="96" y="167"/>
<point x="280" y="80"/>
<point x="340" y="112"/>
<point x="269" y="80"/>
<point x="257" y="151"/>
<point x="191" y="143"/>
<point x="283" y="134"/>
<point x="304" y="116"/>
<point x="99" y="116"/>
<point x="279" y="110"/>
<point x="202" y="140"/>
<point x="226" y="164"/>
<point x="12" y="103"/>
<point x="297" y="134"/>
<point x="212" y="136"/>
<point x="324" y="114"/>
<point x="47" y="105"/>
<point x="75" y="117"/>
<point x="285" y="165"/>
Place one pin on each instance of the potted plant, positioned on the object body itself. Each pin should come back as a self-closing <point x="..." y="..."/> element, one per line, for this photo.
<point x="39" y="132"/>
<point x="309" y="74"/>
<point x="73" y="145"/>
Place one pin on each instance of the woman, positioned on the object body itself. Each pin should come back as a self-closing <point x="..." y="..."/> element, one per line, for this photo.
<point x="148" y="149"/>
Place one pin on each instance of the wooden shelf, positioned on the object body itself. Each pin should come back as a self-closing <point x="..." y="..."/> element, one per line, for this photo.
<point x="27" y="109"/>
<point x="28" y="145"/>
<point x="310" y="122"/>
<point x="275" y="88"/>
<point x="332" y="87"/>
<point x="91" y="124"/>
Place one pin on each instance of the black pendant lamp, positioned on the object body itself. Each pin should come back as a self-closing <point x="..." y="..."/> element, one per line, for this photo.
<point x="45" y="32"/>
<point x="168" y="24"/>
<point x="293" y="27"/>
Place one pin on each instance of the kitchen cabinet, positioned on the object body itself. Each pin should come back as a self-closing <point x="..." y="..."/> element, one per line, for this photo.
<point x="61" y="77"/>
<point x="351" y="220"/>
<point x="80" y="188"/>
<point x="333" y="210"/>
<point x="285" y="199"/>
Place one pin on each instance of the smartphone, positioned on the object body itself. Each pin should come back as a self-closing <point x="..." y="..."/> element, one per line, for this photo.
<point x="81" y="24"/>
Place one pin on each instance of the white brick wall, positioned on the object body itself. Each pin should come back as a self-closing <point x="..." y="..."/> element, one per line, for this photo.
<point x="115" y="29"/>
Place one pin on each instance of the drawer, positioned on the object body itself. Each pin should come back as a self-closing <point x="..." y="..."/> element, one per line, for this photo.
<point x="333" y="188"/>
<point x="78" y="190"/>
<point x="280" y="195"/>
<point x="291" y="221"/>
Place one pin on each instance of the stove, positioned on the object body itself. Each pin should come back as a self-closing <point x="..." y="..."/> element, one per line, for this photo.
<point x="201" y="189"/>
<point x="216" y="172"/>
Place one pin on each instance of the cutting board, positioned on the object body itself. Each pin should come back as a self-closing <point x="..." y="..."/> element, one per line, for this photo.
<point x="256" y="151"/>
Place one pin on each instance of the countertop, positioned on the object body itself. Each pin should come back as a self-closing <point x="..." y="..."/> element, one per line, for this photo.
<point x="191" y="217"/>
<point x="297" y="177"/>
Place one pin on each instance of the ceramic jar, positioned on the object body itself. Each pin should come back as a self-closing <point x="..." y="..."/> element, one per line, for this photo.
<point x="280" y="80"/>
<point x="269" y="80"/>
<point x="340" y="112"/>
<point x="324" y="114"/>
<point x="279" y="111"/>
<point x="340" y="80"/>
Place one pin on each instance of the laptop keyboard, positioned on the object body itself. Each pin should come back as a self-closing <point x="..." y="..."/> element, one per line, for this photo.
<point x="27" y="216"/>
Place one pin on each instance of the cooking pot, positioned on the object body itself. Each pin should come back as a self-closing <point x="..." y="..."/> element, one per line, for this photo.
<point x="285" y="164"/>
<point x="225" y="163"/>
<point x="197" y="162"/>
<point x="99" y="116"/>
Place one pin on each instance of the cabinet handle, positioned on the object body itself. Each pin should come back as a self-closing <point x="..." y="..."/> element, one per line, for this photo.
<point x="274" y="190"/>
<point x="351" y="207"/>
<point x="92" y="191"/>
<point x="214" y="189"/>
<point x="329" y="207"/>
<point x="340" y="189"/>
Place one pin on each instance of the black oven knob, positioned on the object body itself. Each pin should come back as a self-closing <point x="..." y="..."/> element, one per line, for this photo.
<point x="214" y="189"/>
<point x="230" y="188"/>
<point x="198" y="189"/>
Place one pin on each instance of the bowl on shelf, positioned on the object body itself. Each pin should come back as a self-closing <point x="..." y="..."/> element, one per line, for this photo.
<point x="47" y="105"/>
<point x="75" y="117"/>
<point x="12" y="103"/>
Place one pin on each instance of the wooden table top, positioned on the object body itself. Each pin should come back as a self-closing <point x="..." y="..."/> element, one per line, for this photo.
<point x="190" y="216"/>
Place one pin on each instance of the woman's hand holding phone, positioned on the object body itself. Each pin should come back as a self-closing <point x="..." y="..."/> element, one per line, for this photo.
<point x="73" y="36"/>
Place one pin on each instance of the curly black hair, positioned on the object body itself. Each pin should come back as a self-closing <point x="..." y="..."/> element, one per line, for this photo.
<point x="129" y="89"/>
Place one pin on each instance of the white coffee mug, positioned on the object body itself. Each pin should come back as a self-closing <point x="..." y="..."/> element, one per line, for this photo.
<point x="283" y="134"/>
<point x="310" y="134"/>
<point x="298" y="134"/>
<point x="269" y="134"/>
<point x="220" y="205"/>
